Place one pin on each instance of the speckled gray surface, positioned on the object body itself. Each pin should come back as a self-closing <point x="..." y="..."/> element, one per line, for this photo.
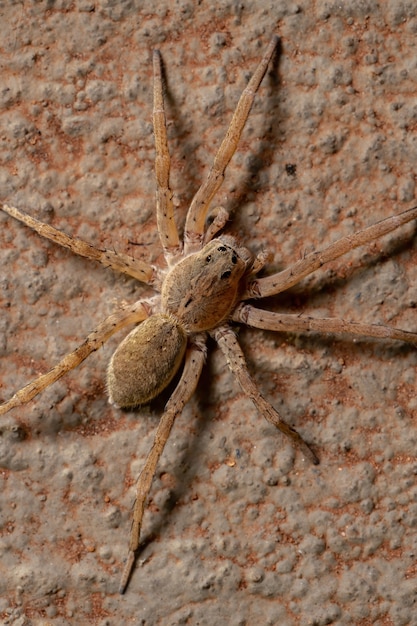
<point x="240" y="530"/>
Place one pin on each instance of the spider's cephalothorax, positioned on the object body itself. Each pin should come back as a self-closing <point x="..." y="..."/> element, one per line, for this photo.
<point x="202" y="289"/>
<point x="209" y="283"/>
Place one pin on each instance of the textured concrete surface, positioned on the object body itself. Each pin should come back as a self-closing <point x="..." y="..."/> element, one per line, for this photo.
<point x="240" y="530"/>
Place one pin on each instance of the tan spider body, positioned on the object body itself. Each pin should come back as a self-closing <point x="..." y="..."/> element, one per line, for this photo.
<point x="198" y="293"/>
<point x="205" y="286"/>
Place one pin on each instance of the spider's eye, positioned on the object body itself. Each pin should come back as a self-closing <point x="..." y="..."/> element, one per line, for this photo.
<point x="234" y="259"/>
<point x="208" y="258"/>
<point x="221" y="249"/>
<point x="226" y="274"/>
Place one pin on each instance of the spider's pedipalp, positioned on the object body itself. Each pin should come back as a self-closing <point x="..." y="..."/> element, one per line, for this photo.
<point x="115" y="260"/>
<point x="167" y="229"/>
<point x="230" y="347"/>
<point x="219" y="217"/>
<point x="194" y="226"/>
<point x="287" y="322"/>
<point x="194" y="361"/>
<point x="128" y="314"/>
<point x="272" y="285"/>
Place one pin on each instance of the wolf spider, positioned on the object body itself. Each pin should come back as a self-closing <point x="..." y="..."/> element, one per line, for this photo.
<point x="208" y="282"/>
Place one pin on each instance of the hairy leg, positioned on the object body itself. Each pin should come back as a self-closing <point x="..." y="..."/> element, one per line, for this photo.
<point x="272" y="285"/>
<point x="167" y="228"/>
<point x="230" y="347"/>
<point x="194" y="361"/>
<point x="285" y="322"/>
<point x="129" y="314"/>
<point x="194" y="226"/>
<point x="117" y="261"/>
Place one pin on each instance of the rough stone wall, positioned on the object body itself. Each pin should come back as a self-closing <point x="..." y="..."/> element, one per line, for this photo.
<point x="239" y="530"/>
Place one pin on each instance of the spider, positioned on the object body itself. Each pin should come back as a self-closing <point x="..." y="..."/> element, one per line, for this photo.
<point x="207" y="284"/>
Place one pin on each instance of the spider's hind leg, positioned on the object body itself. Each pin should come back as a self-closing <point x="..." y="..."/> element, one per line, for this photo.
<point x="194" y="361"/>
<point x="230" y="347"/>
<point x="130" y="314"/>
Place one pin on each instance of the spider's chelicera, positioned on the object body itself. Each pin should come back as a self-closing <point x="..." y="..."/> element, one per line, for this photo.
<point x="208" y="282"/>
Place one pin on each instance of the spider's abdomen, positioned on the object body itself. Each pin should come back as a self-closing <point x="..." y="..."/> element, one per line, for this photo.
<point x="201" y="290"/>
<point x="146" y="361"/>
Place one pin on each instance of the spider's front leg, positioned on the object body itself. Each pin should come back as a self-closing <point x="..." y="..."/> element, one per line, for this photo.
<point x="194" y="226"/>
<point x="230" y="347"/>
<point x="194" y="361"/>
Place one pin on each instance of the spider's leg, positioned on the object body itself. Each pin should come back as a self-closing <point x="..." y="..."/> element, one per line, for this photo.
<point x="130" y="314"/>
<point x="285" y="322"/>
<point x="230" y="347"/>
<point x="167" y="228"/>
<point x="117" y="261"/>
<point x="271" y="285"/>
<point x="194" y="226"/>
<point x="194" y="361"/>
